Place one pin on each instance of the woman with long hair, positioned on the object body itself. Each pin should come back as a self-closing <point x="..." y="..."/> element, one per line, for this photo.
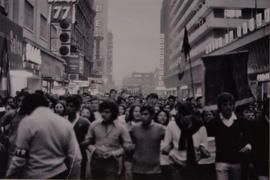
<point x="60" y="108"/>
<point x="134" y="115"/>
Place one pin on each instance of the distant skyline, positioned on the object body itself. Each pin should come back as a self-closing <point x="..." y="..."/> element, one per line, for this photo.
<point x="135" y="25"/>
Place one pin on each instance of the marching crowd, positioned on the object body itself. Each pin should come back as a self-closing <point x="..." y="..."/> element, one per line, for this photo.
<point x="125" y="137"/>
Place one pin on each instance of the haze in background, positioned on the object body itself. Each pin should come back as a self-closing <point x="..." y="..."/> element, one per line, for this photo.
<point x="135" y="25"/>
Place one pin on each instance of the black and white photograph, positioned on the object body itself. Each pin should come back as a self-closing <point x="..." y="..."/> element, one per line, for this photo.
<point x="134" y="89"/>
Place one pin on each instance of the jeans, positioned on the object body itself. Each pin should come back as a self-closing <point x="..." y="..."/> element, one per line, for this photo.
<point x="226" y="171"/>
<point x="147" y="176"/>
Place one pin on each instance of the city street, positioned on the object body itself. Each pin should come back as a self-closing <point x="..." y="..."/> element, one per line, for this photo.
<point x="134" y="89"/>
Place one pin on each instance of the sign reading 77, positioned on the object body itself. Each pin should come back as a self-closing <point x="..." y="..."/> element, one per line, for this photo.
<point x="60" y="12"/>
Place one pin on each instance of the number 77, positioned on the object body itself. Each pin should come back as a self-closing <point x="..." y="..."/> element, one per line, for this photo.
<point x="58" y="12"/>
<point x="66" y="11"/>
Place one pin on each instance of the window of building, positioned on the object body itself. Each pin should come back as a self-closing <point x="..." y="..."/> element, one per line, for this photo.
<point x="98" y="7"/>
<point x="54" y="39"/>
<point x="218" y="13"/>
<point x="98" y="23"/>
<point x="233" y="13"/>
<point x="29" y="15"/>
<point x="43" y="27"/>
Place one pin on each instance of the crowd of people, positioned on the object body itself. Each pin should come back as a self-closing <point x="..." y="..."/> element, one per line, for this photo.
<point x="124" y="137"/>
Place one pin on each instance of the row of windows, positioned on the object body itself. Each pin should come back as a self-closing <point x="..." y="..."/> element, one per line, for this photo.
<point x="29" y="20"/>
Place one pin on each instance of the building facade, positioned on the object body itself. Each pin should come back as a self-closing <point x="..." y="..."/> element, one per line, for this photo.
<point x="37" y="59"/>
<point x="140" y="83"/>
<point x="206" y="21"/>
<point x="82" y="39"/>
<point x="100" y="44"/>
<point x="109" y="63"/>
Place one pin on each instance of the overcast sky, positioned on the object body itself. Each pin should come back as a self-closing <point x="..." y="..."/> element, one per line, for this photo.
<point x="135" y="25"/>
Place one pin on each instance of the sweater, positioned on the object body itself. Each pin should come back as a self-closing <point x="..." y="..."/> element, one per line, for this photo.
<point x="229" y="140"/>
<point x="147" y="140"/>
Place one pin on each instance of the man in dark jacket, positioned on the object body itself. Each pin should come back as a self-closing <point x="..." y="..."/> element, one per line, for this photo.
<point x="232" y="139"/>
<point x="80" y="125"/>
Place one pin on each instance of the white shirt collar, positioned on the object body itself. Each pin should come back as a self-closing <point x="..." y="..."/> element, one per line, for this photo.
<point x="228" y="122"/>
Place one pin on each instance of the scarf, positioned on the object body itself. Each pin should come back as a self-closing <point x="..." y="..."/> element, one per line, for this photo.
<point x="186" y="140"/>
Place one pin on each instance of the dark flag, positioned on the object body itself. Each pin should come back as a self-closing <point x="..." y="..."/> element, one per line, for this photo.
<point x="226" y="73"/>
<point x="185" y="49"/>
<point x="186" y="46"/>
<point x="4" y="69"/>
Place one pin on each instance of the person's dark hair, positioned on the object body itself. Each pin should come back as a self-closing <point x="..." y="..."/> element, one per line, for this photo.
<point x="184" y="108"/>
<point x="94" y="98"/>
<point x="240" y="109"/>
<point x="92" y="116"/>
<point x="152" y="95"/>
<point x="75" y="100"/>
<point x="122" y="105"/>
<point x="21" y="94"/>
<point x="198" y="98"/>
<point x="138" y="97"/>
<point x="62" y="103"/>
<point x="120" y="100"/>
<point x="31" y="102"/>
<point x="265" y="108"/>
<point x="113" y="90"/>
<point x="7" y="98"/>
<point x="172" y="97"/>
<point x="39" y="92"/>
<point x="224" y="97"/>
<point x="167" y="115"/>
<point x="62" y="98"/>
<point x="130" y="96"/>
<point x="204" y="113"/>
<point x="107" y="104"/>
<point x="167" y="104"/>
<point x="150" y="109"/>
<point x="189" y="99"/>
<point x="130" y="114"/>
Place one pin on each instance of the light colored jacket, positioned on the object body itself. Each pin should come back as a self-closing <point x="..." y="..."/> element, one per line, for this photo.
<point x="46" y="146"/>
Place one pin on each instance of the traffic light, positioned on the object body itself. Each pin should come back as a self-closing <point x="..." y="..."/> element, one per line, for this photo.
<point x="65" y="37"/>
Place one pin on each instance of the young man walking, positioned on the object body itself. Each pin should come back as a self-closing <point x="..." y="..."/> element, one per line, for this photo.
<point x="147" y="138"/>
<point x="108" y="140"/>
<point x="80" y="126"/>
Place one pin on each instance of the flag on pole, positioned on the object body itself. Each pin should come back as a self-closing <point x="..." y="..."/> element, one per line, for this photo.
<point x="186" y="46"/>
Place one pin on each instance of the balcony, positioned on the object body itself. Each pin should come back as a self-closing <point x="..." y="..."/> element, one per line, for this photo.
<point x="186" y="17"/>
<point x="212" y="23"/>
<point x="180" y="11"/>
<point x="237" y="4"/>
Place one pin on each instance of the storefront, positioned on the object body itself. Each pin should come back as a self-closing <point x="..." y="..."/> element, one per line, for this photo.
<point x="254" y="40"/>
<point x="52" y="72"/>
<point x="11" y="54"/>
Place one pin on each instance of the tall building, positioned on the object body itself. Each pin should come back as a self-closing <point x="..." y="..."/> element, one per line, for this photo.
<point x="43" y="66"/>
<point x="81" y="41"/>
<point x="206" y="21"/>
<point x="109" y="63"/>
<point x="101" y="42"/>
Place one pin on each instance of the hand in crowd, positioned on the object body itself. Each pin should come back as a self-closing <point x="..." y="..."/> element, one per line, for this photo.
<point x="246" y="149"/>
